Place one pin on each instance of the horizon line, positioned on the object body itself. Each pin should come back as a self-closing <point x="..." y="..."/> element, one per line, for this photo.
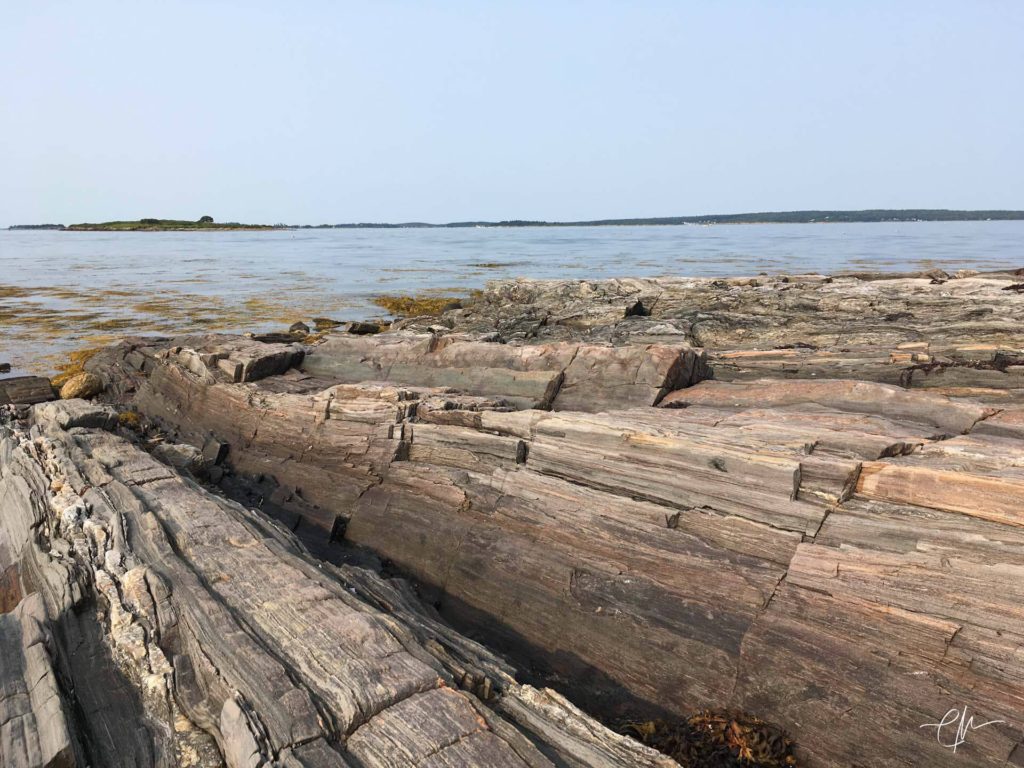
<point x="862" y="215"/>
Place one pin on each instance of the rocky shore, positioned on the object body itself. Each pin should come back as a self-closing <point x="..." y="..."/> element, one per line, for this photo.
<point x="714" y="515"/>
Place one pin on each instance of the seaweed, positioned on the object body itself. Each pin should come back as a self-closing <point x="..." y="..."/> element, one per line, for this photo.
<point x="717" y="739"/>
<point x="417" y="306"/>
<point x="74" y="366"/>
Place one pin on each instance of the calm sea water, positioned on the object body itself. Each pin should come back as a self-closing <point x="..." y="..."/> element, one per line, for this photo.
<point x="59" y="290"/>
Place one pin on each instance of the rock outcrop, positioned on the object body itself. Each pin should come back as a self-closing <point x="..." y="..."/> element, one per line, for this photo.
<point x="34" y="730"/>
<point x="25" y="390"/>
<point x="935" y="330"/>
<point x="164" y="625"/>
<point x="799" y="497"/>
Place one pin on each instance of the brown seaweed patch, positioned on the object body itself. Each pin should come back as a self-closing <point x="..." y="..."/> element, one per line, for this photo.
<point x="15" y="292"/>
<point x="166" y="305"/>
<point x="116" y="324"/>
<point x="60" y="318"/>
<point x="101" y="339"/>
<point x="130" y="420"/>
<point x="61" y="293"/>
<point x="74" y="365"/>
<point x="717" y="739"/>
<point x="417" y="306"/>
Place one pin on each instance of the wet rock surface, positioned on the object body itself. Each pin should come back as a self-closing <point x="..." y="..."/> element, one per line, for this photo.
<point x="791" y="500"/>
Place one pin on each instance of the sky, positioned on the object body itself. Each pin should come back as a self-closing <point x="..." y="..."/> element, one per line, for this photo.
<point x="325" y="112"/>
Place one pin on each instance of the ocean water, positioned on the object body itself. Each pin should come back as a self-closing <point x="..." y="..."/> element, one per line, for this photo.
<point x="62" y="290"/>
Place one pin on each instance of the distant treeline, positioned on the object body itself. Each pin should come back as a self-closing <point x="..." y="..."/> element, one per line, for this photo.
<point x="773" y="217"/>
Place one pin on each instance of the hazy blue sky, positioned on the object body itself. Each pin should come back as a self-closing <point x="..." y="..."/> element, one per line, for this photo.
<point x="312" y="112"/>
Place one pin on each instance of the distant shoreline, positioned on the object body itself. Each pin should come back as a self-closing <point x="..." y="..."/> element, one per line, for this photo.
<point x="778" y="217"/>
<point x="206" y="224"/>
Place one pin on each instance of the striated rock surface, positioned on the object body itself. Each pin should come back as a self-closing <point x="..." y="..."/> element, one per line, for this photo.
<point x="188" y="630"/>
<point x="25" y="390"/>
<point x="562" y="376"/>
<point x="34" y="730"/>
<point x="933" y="330"/>
<point x="799" y="497"/>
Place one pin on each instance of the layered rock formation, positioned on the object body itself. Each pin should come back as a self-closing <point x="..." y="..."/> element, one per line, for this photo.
<point x="25" y="390"/>
<point x="164" y="625"/>
<point x="796" y="496"/>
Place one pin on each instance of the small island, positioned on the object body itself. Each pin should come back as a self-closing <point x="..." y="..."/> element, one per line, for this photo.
<point x="153" y="225"/>
<point x="167" y="225"/>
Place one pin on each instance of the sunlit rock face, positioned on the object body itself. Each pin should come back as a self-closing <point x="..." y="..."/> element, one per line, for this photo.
<point x="795" y="499"/>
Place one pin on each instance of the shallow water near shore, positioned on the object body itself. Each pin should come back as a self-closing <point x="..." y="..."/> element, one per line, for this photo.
<point x="64" y="290"/>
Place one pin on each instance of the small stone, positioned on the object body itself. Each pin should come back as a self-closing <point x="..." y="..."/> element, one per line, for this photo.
<point x="5" y="367"/>
<point x="215" y="451"/>
<point x="84" y="385"/>
<point x="362" y="329"/>
<point x="298" y="328"/>
<point x="73" y="514"/>
<point x="232" y="368"/>
<point x="180" y="456"/>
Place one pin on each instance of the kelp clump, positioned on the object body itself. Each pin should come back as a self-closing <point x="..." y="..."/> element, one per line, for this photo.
<point x="74" y="366"/>
<point x="417" y="306"/>
<point x="717" y="739"/>
<point x="131" y="420"/>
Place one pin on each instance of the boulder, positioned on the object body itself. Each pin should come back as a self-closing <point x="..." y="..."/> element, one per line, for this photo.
<point x="82" y="385"/>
